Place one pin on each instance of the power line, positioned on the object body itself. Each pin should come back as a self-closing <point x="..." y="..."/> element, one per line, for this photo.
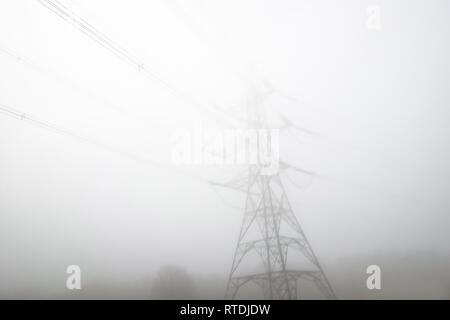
<point x="21" y="59"/>
<point x="100" y="38"/>
<point x="123" y="54"/>
<point x="23" y="116"/>
<point x="71" y="17"/>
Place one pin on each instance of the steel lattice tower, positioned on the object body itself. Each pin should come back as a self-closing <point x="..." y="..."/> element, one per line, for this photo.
<point x="271" y="229"/>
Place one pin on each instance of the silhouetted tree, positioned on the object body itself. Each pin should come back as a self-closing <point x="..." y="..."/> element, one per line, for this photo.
<point x="173" y="282"/>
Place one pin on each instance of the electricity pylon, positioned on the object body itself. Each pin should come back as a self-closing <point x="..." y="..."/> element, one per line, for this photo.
<point x="271" y="230"/>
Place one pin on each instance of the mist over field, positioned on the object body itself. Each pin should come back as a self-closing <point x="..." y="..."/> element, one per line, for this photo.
<point x="87" y="175"/>
<point x="418" y="275"/>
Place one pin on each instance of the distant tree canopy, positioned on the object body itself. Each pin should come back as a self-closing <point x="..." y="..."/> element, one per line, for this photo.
<point x="173" y="282"/>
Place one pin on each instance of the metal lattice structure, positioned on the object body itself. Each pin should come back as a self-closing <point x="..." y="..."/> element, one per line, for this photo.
<point x="271" y="229"/>
<point x="268" y="208"/>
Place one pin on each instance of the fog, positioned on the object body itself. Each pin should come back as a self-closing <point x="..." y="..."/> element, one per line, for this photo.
<point x="376" y="100"/>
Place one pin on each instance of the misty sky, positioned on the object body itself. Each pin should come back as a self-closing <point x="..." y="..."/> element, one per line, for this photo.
<point x="378" y="100"/>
